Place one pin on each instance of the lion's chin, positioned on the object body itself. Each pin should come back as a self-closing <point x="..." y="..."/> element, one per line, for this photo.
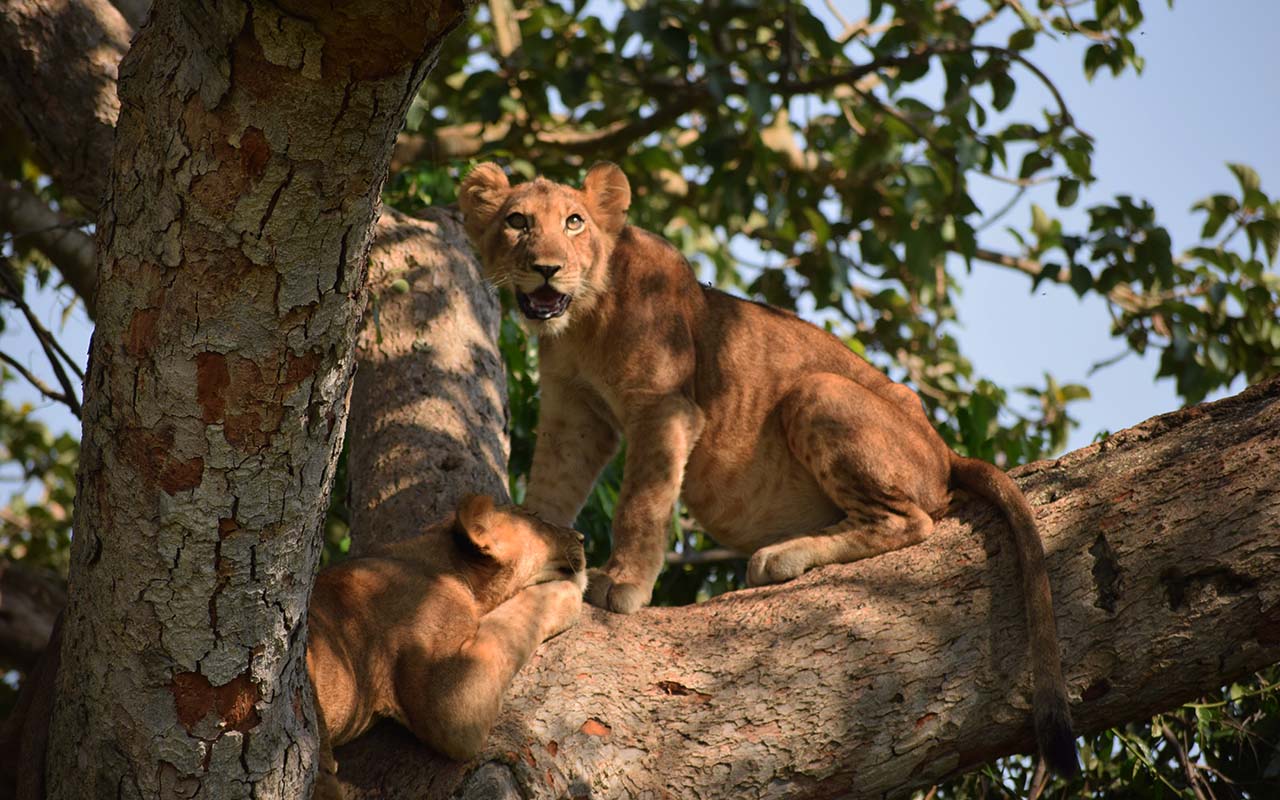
<point x="543" y="303"/>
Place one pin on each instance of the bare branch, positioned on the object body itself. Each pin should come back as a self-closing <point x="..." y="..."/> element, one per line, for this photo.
<point x="52" y="350"/>
<point x="40" y="385"/>
<point x="713" y="556"/>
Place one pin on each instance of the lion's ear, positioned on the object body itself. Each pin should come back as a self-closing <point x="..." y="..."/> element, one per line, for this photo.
<point x="473" y="527"/>
<point x="481" y="196"/>
<point x="608" y="196"/>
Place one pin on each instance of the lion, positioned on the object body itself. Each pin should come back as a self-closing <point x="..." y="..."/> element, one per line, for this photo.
<point x="782" y="442"/>
<point x="429" y="631"/>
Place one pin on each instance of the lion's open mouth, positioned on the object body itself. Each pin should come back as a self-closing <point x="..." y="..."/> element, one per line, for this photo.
<point x="543" y="303"/>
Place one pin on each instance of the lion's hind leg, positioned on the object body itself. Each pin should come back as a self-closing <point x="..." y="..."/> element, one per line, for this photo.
<point x="885" y="472"/>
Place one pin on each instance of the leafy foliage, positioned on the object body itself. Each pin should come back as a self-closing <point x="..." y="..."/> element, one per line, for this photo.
<point x="35" y="526"/>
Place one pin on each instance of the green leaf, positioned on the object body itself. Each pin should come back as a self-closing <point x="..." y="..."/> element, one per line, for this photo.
<point x="1266" y="231"/>
<point x="1068" y="192"/>
<point x="1002" y="89"/>
<point x="1081" y="279"/>
<point x="1023" y="39"/>
<point x="1095" y="57"/>
<point x="1041" y="223"/>
<point x="1248" y="178"/>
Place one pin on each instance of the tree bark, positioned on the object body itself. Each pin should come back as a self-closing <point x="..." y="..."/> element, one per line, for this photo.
<point x="870" y="679"/>
<point x="429" y="404"/>
<point x="250" y="153"/>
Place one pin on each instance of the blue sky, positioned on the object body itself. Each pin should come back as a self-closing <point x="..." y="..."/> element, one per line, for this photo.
<point x="1210" y="93"/>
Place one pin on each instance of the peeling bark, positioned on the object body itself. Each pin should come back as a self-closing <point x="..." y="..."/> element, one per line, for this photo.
<point x="429" y="404"/>
<point x="870" y="679"/>
<point x="250" y="153"/>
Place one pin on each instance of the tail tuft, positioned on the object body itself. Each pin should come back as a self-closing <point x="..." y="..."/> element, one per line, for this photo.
<point x="1054" y="738"/>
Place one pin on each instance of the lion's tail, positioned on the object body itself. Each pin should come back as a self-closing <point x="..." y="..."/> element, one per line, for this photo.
<point x="1049" y="698"/>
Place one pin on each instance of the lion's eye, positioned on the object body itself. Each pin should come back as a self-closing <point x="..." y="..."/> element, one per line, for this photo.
<point x="573" y="223"/>
<point x="517" y="220"/>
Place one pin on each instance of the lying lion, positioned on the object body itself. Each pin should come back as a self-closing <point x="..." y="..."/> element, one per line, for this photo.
<point x="783" y="442"/>
<point x="428" y="631"/>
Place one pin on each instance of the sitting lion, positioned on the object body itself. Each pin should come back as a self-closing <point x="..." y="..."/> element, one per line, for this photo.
<point x="428" y="631"/>
<point x="783" y="442"/>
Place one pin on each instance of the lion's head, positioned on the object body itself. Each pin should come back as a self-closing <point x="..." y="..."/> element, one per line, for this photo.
<point x="513" y="549"/>
<point x="549" y="242"/>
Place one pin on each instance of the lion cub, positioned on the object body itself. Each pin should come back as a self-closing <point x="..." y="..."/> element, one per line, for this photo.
<point x="430" y="631"/>
<point x="783" y="442"/>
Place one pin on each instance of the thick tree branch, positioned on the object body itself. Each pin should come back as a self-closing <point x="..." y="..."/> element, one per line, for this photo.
<point x="58" y="64"/>
<point x="29" y="604"/>
<point x="29" y="221"/>
<point x="869" y="678"/>
<point x="429" y="404"/>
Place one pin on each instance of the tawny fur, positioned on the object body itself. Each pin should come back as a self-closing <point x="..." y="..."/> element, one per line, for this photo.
<point x="783" y="443"/>
<point x="430" y="631"/>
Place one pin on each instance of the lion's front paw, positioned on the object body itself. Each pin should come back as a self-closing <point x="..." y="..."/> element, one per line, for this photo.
<point x="775" y="565"/>
<point x="560" y="603"/>
<point x="616" y="596"/>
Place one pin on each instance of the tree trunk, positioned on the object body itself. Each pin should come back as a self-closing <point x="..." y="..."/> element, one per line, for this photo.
<point x="250" y="152"/>
<point x="870" y="679"/>
<point x="429" y="404"/>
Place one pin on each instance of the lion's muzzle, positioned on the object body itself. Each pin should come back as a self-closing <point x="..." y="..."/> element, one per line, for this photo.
<point x="543" y="303"/>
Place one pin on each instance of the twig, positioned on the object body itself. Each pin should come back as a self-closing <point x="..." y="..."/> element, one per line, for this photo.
<point x="40" y="385"/>
<point x="47" y="342"/>
<point x="713" y="556"/>
<point x="1181" y="752"/>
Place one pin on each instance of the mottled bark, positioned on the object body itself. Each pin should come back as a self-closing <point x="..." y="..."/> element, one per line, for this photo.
<point x="29" y="604"/>
<point x="866" y="680"/>
<point x="429" y="403"/>
<point x="233" y="239"/>
<point x="58" y="62"/>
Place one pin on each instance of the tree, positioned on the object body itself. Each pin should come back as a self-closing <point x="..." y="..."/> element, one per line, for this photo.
<point x="233" y="251"/>
<point x="721" y="87"/>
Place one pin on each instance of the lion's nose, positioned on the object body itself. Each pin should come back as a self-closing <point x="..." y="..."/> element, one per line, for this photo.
<point x="546" y="270"/>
